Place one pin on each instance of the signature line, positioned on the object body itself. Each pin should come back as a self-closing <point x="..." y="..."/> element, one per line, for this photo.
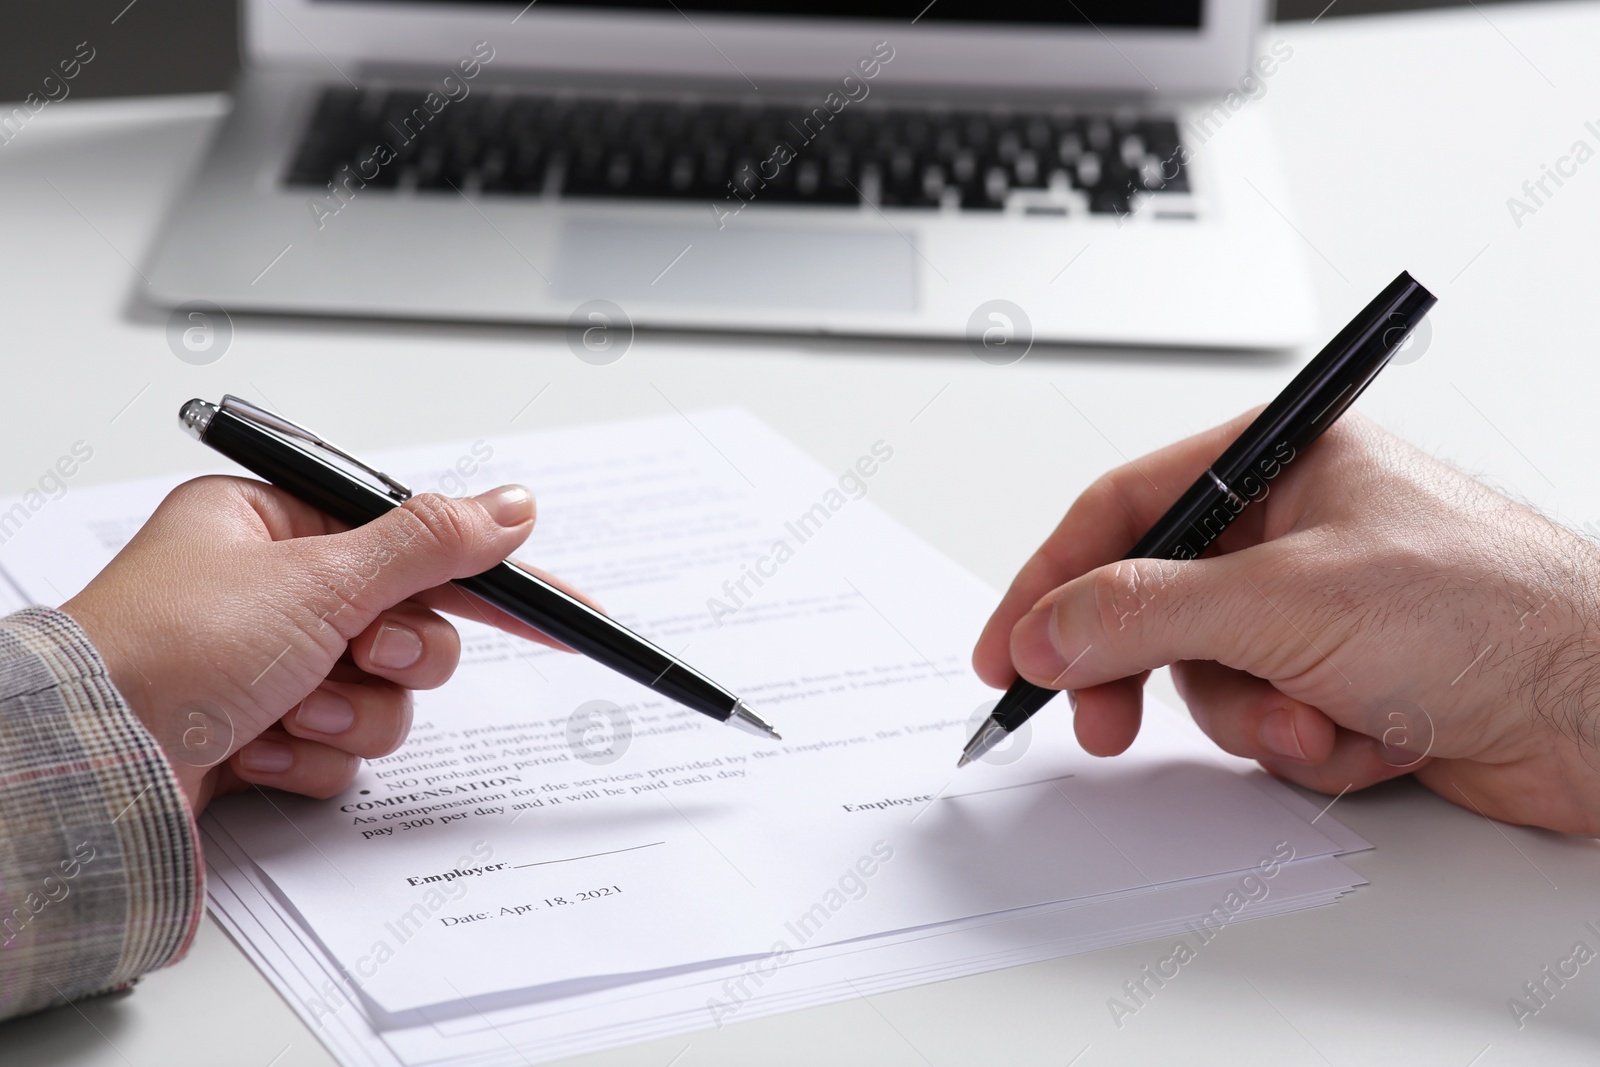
<point x="590" y="856"/>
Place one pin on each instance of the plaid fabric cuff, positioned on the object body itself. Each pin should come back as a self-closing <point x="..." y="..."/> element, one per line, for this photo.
<point x="100" y="873"/>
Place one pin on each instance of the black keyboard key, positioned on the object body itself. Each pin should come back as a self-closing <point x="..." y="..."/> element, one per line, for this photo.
<point x="680" y="174"/>
<point x="1088" y="172"/>
<point x="978" y="130"/>
<point x="1069" y="147"/>
<point x="975" y="197"/>
<point x="807" y="179"/>
<point x="1108" y="202"/>
<point x="964" y="167"/>
<point x="1008" y="146"/>
<point x="1039" y="135"/>
<point x="1097" y="132"/>
<point x="520" y="169"/>
<point x="904" y="184"/>
<point x="430" y="172"/>
<point x="1026" y="173"/>
<point x="996" y="183"/>
<point x="1131" y="150"/>
<point x="840" y="180"/>
<point x="1166" y="174"/>
<point x="387" y="176"/>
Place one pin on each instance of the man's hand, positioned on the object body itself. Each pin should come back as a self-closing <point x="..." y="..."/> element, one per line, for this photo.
<point x="1377" y="614"/>
<point x="261" y="642"/>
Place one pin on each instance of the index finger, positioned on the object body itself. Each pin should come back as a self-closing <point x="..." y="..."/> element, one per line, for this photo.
<point x="454" y="600"/>
<point x="1102" y="524"/>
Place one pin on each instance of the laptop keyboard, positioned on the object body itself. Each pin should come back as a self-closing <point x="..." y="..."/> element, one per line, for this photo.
<point x="1038" y="162"/>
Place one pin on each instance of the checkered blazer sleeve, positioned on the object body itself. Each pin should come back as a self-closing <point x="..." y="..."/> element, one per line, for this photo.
<point x="100" y="874"/>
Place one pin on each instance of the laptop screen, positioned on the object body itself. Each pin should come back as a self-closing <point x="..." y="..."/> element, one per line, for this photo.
<point x="1120" y="14"/>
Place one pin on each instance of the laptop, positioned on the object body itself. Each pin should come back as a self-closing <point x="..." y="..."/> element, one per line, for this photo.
<point x="1095" y="171"/>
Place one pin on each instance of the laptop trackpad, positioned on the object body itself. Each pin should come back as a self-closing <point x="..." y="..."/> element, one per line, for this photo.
<point x="746" y="264"/>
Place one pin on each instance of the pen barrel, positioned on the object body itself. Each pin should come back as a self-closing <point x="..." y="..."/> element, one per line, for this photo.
<point x="1326" y="387"/>
<point x="599" y="637"/>
<point x="308" y="478"/>
<point x="1198" y="517"/>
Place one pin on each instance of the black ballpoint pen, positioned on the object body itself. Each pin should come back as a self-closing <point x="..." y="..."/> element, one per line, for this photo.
<point x="318" y="473"/>
<point x="1319" y="394"/>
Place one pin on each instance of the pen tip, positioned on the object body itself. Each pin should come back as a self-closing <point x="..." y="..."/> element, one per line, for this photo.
<point x="990" y="734"/>
<point x="751" y="723"/>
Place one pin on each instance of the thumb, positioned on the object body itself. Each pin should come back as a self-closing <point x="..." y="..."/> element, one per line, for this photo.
<point x="423" y="543"/>
<point x="1137" y="615"/>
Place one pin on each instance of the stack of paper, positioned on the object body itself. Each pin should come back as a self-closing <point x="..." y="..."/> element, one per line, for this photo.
<point x="559" y="861"/>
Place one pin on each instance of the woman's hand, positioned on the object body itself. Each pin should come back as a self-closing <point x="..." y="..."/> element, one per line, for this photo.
<point x="1377" y="614"/>
<point x="261" y="642"/>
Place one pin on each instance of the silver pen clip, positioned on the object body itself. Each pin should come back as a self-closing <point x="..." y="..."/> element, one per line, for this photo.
<point x="261" y="417"/>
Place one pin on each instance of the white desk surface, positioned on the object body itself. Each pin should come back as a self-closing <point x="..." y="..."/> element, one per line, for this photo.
<point x="1403" y="137"/>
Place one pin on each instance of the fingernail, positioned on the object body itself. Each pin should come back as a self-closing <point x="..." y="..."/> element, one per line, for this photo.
<point x="1072" y="699"/>
<point x="509" y="505"/>
<point x="325" y="713"/>
<point x="1277" y="735"/>
<point x="266" y="757"/>
<point x="396" y="647"/>
<point x="1033" y="652"/>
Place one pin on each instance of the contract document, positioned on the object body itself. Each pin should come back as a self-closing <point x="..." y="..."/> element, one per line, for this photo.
<point x="559" y="859"/>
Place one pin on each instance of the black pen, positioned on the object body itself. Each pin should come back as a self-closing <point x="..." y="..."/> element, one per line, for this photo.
<point x="318" y="473"/>
<point x="1316" y="398"/>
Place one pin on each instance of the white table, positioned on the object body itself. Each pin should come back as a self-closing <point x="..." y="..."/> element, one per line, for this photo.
<point x="1403" y="137"/>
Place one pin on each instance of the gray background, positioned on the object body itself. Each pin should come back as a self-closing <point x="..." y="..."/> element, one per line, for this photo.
<point x="186" y="46"/>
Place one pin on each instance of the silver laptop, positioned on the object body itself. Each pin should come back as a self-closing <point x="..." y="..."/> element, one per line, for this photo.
<point x="1000" y="170"/>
